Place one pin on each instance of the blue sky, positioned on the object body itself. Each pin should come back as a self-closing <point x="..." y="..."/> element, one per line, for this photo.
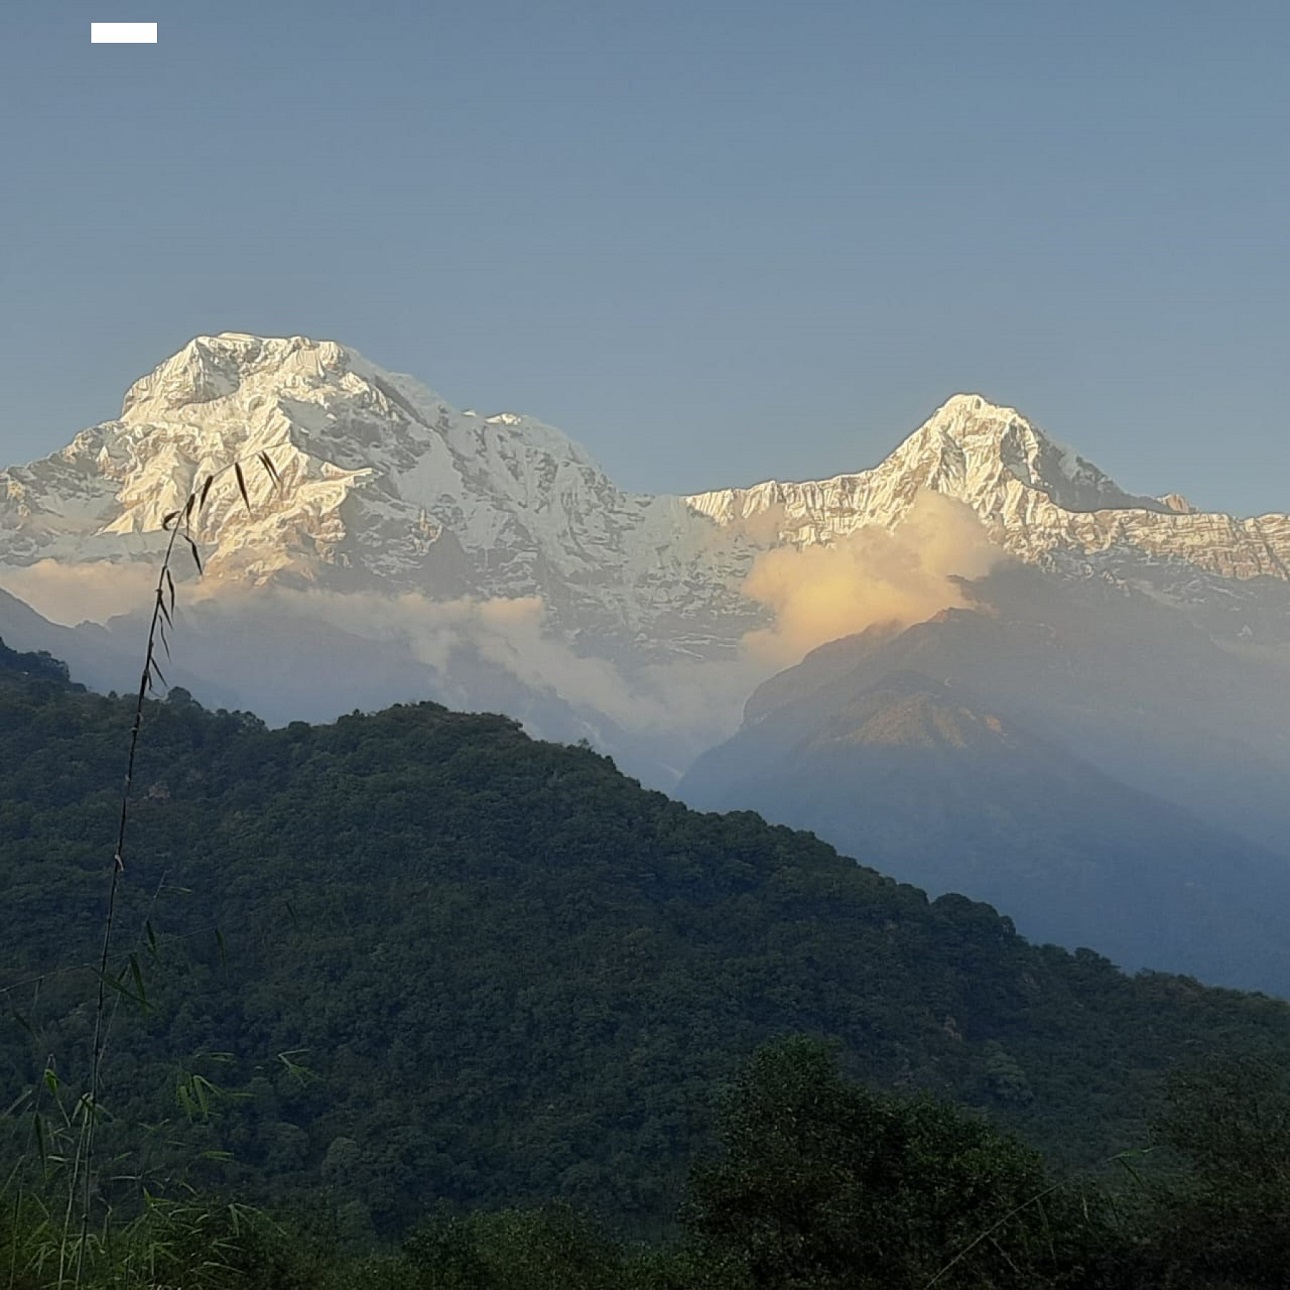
<point x="713" y="241"/>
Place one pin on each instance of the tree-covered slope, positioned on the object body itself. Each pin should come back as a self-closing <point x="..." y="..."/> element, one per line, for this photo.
<point x="507" y="972"/>
<point x="922" y="779"/>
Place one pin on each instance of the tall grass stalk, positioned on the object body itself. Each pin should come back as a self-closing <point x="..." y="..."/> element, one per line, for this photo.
<point x="179" y="524"/>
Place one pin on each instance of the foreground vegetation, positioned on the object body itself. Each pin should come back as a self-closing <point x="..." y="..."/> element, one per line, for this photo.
<point x="818" y="1182"/>
<point x="415" y="964"/>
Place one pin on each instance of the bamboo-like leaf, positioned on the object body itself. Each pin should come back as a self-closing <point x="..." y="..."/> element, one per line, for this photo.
<point x="206" y="488"/>
<point x="188" y="507"/>
<point x="267" y="462"/>
<point x="168" y="519"/>
<point x="1124" y="1159"/>
<point x="299" y="1072"/>
<point x="51" y="1081"/>
<point x="118" y="984"/>
<point x="192" y="546"/>
<point x="17" y="1104"/>
<point x="38" y="1123"/>
<point x="137" y="974"/>
<point x="170" y="586"/>
<point x="152" y="939"/>
<point x="241" y="485"/>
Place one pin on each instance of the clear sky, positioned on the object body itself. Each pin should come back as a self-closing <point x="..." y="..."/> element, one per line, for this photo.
<point x="715" y="241"/>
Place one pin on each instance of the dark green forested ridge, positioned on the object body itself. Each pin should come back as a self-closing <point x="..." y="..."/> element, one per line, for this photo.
<point x="420" y="958"/>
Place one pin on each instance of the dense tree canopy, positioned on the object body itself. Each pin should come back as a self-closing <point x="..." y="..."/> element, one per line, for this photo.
<point x="414" y="959"/>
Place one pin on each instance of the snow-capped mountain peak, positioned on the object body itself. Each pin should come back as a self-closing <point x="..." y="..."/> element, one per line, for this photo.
<point x="385" y="486"/>
<point x="972" y="443"/>
<point x="1036" y="498"/>
<point x="247" y="379"/>
<point x="211" y="368"/>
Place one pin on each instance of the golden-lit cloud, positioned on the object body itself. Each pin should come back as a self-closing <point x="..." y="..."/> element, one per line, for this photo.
<point x="875" y="575"/>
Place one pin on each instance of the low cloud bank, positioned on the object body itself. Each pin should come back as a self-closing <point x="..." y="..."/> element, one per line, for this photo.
<point x="312" y="651"/>
<point x="697" y="700"/>
<point x="70" y="594"/>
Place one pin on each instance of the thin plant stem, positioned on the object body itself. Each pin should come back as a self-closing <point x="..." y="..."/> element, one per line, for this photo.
<point x="83" y="1159"/>
<point x="91" y="1103"/>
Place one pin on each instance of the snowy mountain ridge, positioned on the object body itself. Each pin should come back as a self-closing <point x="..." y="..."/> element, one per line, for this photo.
<point x="1037" y="498"/>
<point x="385" y="487"/>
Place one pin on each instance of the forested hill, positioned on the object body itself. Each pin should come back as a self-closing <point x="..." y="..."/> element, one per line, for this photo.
<point x="427" y="958"/>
